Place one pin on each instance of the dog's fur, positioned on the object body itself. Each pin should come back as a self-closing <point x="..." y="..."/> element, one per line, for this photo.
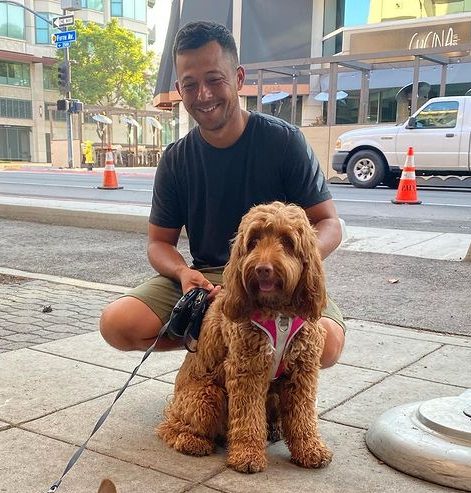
<point x="224" y="389"/>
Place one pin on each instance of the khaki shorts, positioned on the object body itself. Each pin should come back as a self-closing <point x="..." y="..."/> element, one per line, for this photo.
<point x="161" y="294"/>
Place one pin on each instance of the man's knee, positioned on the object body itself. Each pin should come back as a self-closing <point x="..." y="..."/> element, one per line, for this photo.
<point x="127" y="323"/>
<point x="334" y="342"/>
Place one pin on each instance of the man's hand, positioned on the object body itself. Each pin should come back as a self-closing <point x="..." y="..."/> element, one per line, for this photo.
<point x="191" y="278"/>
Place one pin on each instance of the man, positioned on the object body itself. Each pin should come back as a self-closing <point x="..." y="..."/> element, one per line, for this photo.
<point x="207" y="181"/>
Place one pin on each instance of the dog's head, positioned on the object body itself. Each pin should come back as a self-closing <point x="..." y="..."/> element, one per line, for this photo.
<point x="274" y="265"/>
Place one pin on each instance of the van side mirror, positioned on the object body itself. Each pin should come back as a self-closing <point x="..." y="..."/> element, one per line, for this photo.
<point x="411" y="123"/>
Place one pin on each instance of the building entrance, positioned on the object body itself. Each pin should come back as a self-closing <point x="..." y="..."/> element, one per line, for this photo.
<point x="15" y="143"/>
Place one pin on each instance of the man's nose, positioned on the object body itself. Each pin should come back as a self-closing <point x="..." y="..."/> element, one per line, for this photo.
<point x="204" y="92"/>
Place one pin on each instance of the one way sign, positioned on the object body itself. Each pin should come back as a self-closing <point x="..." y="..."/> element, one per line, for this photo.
<point x="63" y="20"/>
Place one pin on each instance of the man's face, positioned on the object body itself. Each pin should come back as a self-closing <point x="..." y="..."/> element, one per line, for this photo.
<point x="208" y="82"/>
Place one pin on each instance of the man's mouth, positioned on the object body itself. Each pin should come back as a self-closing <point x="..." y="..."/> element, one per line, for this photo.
<point x="208" y="109"/>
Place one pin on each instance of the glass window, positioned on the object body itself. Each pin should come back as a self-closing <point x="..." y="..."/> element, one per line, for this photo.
<point x="14" y="74"/>
<point x="140" y="13"/>
<point x="12" y="21"/>
<point x="442" y="114"/>
<point x="43" y="29"/>
<point x="93" y="5"/>
<point x="15" y="108"/>
<point x="117" y="8"/>
<point x="49" y="77"/>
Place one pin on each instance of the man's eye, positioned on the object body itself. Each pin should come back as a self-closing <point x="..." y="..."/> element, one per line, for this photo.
<point x="215" y="81"/>
<point x="189" y="86"/>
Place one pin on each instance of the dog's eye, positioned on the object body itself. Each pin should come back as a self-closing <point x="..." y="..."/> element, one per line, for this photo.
<point x="252" y="243"/>
<point x="287" y="242"/>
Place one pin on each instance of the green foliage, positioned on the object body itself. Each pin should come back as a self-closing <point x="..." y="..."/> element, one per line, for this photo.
<point x="110" y="66"/>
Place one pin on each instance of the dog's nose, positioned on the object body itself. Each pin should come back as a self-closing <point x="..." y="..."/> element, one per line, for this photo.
<point x="264" y="271"/>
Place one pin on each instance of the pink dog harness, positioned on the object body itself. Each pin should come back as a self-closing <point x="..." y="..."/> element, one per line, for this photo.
<point x="280" y="331"/>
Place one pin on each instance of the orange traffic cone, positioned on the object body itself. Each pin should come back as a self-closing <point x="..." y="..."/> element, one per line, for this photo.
<point x="407" y="190"/>
<point x="110" y="180"/>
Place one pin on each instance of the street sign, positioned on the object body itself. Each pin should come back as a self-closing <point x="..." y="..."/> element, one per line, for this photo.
<point x="62" y="44"/>
<point x="63" y="20"/>
<point x="64" y="37"/>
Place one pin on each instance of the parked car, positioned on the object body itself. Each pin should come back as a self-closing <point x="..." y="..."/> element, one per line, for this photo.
<point x="439" y="132"/>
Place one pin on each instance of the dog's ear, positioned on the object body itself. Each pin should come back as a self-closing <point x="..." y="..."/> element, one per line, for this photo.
<point x="310" y="295"/>
<point x="235" y="304"/>
<point x="107" y="486"/>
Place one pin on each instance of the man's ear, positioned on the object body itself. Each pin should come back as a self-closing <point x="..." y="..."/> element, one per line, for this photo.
<point x="240" y="77"/>
<point x="177" y="87"/>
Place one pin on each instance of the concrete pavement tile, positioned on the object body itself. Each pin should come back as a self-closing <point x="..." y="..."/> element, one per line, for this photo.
<point x="3" y="425"/>
<point x="450" y="364"/>
<point x="91" y="348"/>
<point x="34" y="384"/>
<point x="32" y="463"/>
<point x="449" y="246"/>
<point x="383" y="352"/>
<point x="407" y="333"/>
<point x="169" y="377"/>
<point x="353" y="469"/>
<point x="365" y="408"/>
<point x="128" y="434"/>
<point x="342" y="382"/>
<point x="204" y="489"/>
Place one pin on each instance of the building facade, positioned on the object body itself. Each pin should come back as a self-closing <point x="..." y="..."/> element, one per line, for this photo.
<point x="28" y="78"/>
<point x="276" y="30"/>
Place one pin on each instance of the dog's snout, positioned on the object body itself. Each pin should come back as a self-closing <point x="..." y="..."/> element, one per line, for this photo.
<point x="264" y="271"/>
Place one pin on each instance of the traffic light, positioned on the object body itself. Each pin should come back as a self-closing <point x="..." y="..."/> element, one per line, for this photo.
<point x="63" y="77"/>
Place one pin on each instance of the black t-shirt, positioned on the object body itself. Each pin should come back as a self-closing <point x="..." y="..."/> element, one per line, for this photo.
<point x="208" y="190"/>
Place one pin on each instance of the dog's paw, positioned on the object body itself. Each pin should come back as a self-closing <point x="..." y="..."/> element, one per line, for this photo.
<point x="247" y="461"/>
<point x="313" y="458"/>
<point x="167" y="433"/>
<point x="190" y="444"/>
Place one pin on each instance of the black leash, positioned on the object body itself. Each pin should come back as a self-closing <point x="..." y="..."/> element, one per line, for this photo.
<point x="185" y="321"/>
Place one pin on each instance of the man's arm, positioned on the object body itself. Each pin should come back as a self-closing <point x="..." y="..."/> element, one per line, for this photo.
<point x="324" y="218"/>
<point x="166" y="259"/>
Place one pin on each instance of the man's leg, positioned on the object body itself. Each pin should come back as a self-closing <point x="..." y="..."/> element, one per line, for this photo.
<point x="333" y="323"/>
<point x="129" y="324"/>
<point x="334" y="342"/>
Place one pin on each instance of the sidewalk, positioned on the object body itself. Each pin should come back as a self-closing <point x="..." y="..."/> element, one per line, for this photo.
<point x="58" y="377"/>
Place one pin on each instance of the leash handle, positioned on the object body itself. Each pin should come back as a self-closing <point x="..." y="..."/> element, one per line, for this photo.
<point x="54" y="487"/>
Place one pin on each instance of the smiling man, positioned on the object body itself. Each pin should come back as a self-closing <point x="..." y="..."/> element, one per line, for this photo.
<point x="208" y="180"/>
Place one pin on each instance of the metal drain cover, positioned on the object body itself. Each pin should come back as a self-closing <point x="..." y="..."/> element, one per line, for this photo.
<point x="430" y="440"/>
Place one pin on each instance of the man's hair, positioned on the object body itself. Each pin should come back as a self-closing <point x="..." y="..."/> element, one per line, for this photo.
<point x="196" y="34"/>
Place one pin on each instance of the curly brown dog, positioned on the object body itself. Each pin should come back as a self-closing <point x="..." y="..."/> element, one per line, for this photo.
<point x="263" y="324"/>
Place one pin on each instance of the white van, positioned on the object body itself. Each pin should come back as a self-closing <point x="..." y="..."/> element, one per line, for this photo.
<point x="439" y="132"/>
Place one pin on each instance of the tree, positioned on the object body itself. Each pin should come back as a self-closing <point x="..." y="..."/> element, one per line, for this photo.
<point x="110" y="66"/>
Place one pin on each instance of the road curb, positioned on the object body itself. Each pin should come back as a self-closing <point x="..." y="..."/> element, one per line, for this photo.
<point x="79" y="283"/>
<point x="79" y="218"/>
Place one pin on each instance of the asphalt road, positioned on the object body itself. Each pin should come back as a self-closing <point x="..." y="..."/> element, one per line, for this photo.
<point x="430" y="294"/>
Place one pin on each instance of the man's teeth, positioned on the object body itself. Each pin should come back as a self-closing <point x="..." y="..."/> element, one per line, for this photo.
<point x="206" y="110"/>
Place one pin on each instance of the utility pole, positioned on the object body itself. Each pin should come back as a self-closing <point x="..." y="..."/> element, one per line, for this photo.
<point x="68" y="113"/>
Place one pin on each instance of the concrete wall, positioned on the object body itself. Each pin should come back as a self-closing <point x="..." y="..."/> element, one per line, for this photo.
<point x="322" y="140"/>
